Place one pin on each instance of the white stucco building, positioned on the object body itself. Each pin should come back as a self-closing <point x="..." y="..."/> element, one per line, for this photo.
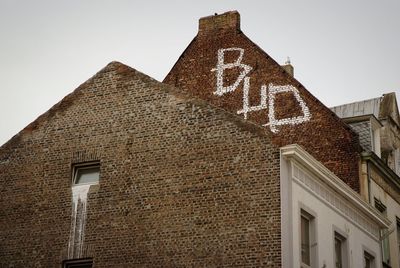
<point x="324" y="222"/>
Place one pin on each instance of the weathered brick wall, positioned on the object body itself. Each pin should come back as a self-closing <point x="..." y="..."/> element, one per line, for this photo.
<point x="324" y="135"/>
<point x="183" y="183"/>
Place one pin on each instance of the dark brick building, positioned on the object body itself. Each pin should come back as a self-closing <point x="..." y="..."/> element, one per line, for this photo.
<point x="182" y="179"/>
<point x="221" y="42"/>
<point x="182" y="183"/>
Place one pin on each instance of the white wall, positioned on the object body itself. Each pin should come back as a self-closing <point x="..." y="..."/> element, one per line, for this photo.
<point x="393" y="211"/>
<point x="327" y="219"/>
<point x="333" y="212"/>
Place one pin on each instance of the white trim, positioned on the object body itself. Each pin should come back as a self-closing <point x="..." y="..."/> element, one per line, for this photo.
<point x="371" y="254"/>
<point x="287" y="234"/>
<point x="297" y="154"/>
<point x="344" y="241"/>
<point x="330" y="198"/>
<point x="375" y="124"/>
<point x="307" y="213"/>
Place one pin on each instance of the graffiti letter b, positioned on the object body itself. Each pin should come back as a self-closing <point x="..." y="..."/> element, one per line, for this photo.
<point x="221" y="66"/>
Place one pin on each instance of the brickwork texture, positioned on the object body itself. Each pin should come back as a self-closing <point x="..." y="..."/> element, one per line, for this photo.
<point x="182" y="183"/>
<point x="324" y="135"/>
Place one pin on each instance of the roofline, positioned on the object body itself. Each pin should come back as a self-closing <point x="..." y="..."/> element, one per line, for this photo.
<point x="296" y="82"/>
<point x="231" y="117"/>
<point x="360" y="118"/>
<point x="180" y="57"/>
<point x="298" y="154"/>
<point x="353" y="102"/>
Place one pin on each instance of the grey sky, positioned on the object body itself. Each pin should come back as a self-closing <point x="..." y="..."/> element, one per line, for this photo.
<point x="343" y="51"/>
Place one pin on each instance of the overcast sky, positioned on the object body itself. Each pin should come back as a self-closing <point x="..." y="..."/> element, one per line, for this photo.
<point x="342" y="51"/>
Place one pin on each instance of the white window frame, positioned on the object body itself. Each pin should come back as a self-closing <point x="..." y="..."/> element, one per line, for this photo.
<point x="375" y="136"/>
<point x="311" y="217"/>
<point x="371" y="255"/>
<point x="382" y="208"/>
<point x="343" y="237"/>
<point x="81" y="166"/>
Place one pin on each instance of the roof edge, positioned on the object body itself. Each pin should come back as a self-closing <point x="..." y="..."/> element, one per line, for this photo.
<point x="66" y="101"/>
<point x="125" y="70"/>
<point x="300" y="85"/>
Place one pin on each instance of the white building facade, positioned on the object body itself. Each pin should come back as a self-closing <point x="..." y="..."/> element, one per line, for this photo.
<point x="324" y="222"/>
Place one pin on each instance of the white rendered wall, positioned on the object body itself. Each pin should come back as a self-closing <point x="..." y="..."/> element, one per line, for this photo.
<point x="332" y="213"/>
<point x="393" y="211"/>
<point x="327" y="221"/>
<point x="377" y="141"/>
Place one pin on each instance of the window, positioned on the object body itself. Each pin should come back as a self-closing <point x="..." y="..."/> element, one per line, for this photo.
<point x="340" y="251"/>
<point x="380" y="206"/>
<point x="398" y="236"/>
<point x="369" y="260"/>
<point x="307" y="238"/>
<point x="385" y="241"/>
<point x="86" y="173"/>
<point x="81" y="263"/>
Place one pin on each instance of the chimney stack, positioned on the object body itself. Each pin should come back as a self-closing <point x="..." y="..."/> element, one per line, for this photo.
<point x="288" y="67"/>
<point x="227" y="21"/>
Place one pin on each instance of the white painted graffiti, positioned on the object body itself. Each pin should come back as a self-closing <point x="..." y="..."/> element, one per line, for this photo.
<point x="271" y="96"/>
<point x="273" y="122"/>
<point x="221" y="66"/>
<point x="246" y="106"/>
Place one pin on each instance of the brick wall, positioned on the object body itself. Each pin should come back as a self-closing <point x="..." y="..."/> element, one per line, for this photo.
<point x="182" y="184"/>
<point x="324" y="135"/>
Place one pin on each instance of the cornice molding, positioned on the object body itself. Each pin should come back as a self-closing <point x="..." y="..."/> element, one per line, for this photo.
<point x="297" y="154"/>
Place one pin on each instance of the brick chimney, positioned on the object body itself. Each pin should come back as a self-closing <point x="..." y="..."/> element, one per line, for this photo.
<point x="288" y="67"/>
<point x="203" y="73"/>
<point x="227" y="21"/>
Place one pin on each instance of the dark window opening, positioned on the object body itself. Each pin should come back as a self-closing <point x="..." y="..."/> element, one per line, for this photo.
<point x="80" y="263"/>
